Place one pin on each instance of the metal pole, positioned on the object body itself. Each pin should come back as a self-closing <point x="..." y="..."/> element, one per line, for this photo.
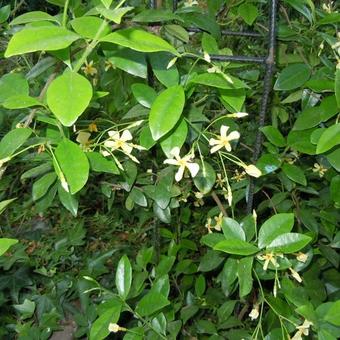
<point x="267" y="88"/>
<point x="228" y="32"/>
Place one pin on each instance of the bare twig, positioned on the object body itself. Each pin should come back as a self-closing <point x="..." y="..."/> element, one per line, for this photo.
<point x="219" y="203"/>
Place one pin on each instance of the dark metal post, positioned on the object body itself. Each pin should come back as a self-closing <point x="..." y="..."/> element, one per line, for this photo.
<point x="267" y="88"/>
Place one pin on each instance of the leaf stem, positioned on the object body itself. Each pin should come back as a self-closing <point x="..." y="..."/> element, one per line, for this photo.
<point x="67" y="2"/>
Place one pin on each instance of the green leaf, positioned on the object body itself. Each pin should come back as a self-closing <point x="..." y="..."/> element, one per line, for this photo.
<point x="5" y="12"/>
<point x="329" y="139"/>
<point x="139" y="40"/>
<point x="46" y="38"/>
<point x="26" y="309"/>
<point x="274" y="135"/>
<point x="114" y="15"/>
<point x="268" y="163"/>
<point x="13" y="84"/>
<point x="68" y="201"/>
<point x="106" y="3"/>
<point x="68" y="96"/>
<point x="236" y="247"/>
<point x="294" y="173"/>
<point x="156" y="15"/>
<point x="233" y="99"/>
<point x="123" y="277"/>
<point x="205" y="178"/>
<point x="218" y="80"/>
<point x="41" y="186"/>
<point x="145" y="138"/>
<point x="144" y="94"/>
<point x="333" y="314"/>
<point x="244" y="274"/>
<point x="248" y="12"/>
<point x="88" y="27"/>
<point x="151" y="303"/>
<point x="166" y="111"/>
<point x="137" y="196"/>
<point x="5" y="244"/>
<point x="334" y="159"/>
<point x="73" y="164"/>
<point x="100" y="328"/>
<point x="231" y="229"/>
<point x="289" y="243"/>
<point x="12" y="141"/>
<point x="337" y="86"/>
<point x="5" y="203"/>
<point x="273" y="227"/>
<point x="308" y="118"/>
<point x="20" y="102"/>
<point x="292" y="77"/>
<point x="99" y="163"/>
<point x="175" y="138"/>
<point x="32" y="17"/>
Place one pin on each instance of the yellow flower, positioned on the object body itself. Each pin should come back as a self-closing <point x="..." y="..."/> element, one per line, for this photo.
<point x="219" y="181"/>
<point x="89" y="69"/>
<point x="252" y="170"/>
<point x="295" y="275"/>
<point x="269" y="258"/>
<point x="182" y="163"/>
<point x="223" y="140"/>
<point x="302" y="330"/>
<point x="93" y="127"/>
<point x="108" y="65"/>
<point x="254" y="314"/>
<point x="320" y="169"/>
<point x="120" y="142"/>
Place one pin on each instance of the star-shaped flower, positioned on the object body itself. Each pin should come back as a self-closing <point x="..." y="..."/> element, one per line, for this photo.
<point x="183" y="163"/>
<point x="223" y="141"/>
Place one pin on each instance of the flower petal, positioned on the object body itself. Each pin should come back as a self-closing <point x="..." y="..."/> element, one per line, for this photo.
<point x="127" y="148"/>
<point x="179" y="173"/>
<point x="234" y="135"/>
<point x="175" y="152"/>
<point x="126" y="135"/>
<point x="193" y="168"/>
<point x="216" y="148"/>
<point x="171" y="161"/>
<point x="213" y="141"/>
<point x="223" y="130"/>
<point x="113" y="134"/>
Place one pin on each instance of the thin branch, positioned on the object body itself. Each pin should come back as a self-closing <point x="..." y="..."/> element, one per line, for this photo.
<point x="219" y="203"/>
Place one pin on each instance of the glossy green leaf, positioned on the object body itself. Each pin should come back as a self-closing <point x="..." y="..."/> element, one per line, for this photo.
<point x="32" y="17"/>
<point x="292" y="77"/>
<point x="139" y="40"/>
<point x="73" y="164"/>
<point x="68" y="96"/>
<point x="244" y="274"/>
<point x="334" y="159"/>
<point x="274" y="135"/>
<point x="114" y="15"/>
<point x="123" y="277"/>
<point x="218" y="80"/>
<point x="5" y="12"/>
<point x="46" y="38"/>
<point x="294" y="173"/>
<point x="41" y="186"/>
<point x="236" y="247"/>
<point x="20" y="102"/>
<point x="329" y="139"/>
<point x="156" y="15"/>
<point x="5" y="203"/>
<point x="233" y="99"/>
<point x="145" y="138"/>
<point x="205" y="178"/>
<point x="100" y="328"/>
<point x="106" y="3"/>
<point x="232" y="229"/>
<point x="175" y="138"/>
<point x="151" y="303"/>
<point x="166" y="111"/>
<point x="138" y="197"/>
<point x="68" y="200"/>
<point x="5" y="244"/>
<point x="333" y="314"/>
<point x="12" y="141"/>
<point x="289" y="243"/>
<point x="273" y="227"/>
<point x="88" y="27"/>
<point x="12" y="84"/>
<point x="337" y="86"/>
<point x="268" y="163"/>
<point x="99" y="163"/>
<point x="308" y="118"/>
<point x="144" y="94"/>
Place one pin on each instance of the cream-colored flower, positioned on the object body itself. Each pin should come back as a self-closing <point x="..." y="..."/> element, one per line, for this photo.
<point x="199" y="199"/>
<point x="218" y="219"/>
<point x="219" y="181"/>
<point x="89" y="69"/>
<point x="255" y="312"/>
<point x="320" y="169"/>
<point x="295" y="275"/>
<point x="183" y="163"/>
<point x="237" y="115"/>
<point x="302" y="330"/>
<point x="302" y="257"/>
<point x="223" y="141"/>
<point x="228" y="194"/>
<point x="238" y="177"/>
<point x="269" y="258"/>
<point x="83" y="139"/>
<point x="92" y="127"/>
<point x="3" y="161"/>
<point x="115" y="328"/>
<point x="120" y="142"/>
<point x="208" y="225"/>
<point x="252" y="170"/>
<point x="189" y="3"/>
